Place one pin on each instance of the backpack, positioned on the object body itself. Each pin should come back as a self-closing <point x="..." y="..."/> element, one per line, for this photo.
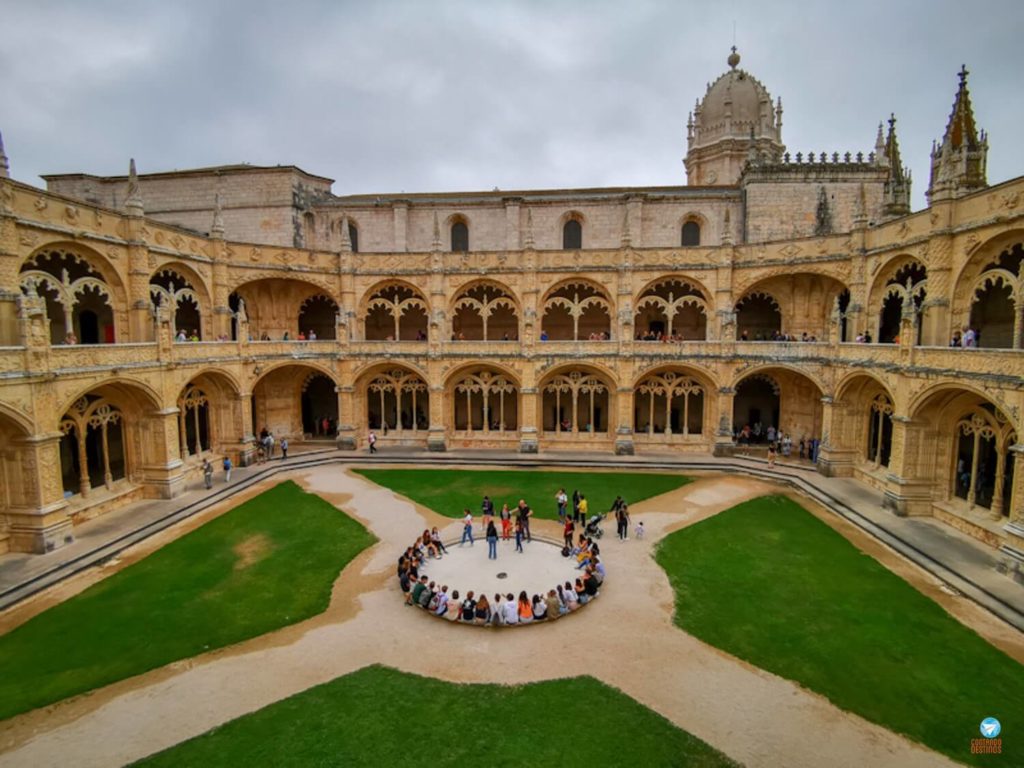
<point x="565" y="552"/>
<point x="227" y="463"/>
<point x="425" y="597"/>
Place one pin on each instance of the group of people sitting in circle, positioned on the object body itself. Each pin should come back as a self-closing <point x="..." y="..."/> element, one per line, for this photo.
<point x="509" y="610"/>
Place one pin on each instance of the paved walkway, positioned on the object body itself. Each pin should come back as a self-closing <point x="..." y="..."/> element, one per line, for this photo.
<point x="963" y="563"/>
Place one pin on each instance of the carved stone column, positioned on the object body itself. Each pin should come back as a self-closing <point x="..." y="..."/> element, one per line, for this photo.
<point x="837" y="455"/>
<point x="162" y="468"/>
<point x="724" y="445"/>
<point x="246" y="438"/>
<point x="38" y="520"/>
<point x="909" y="486"/>
<point x="528" y="406"/>
<point x="348" y="432"/>
<point x="624" y="432"/>
<point x="436" y="434"/>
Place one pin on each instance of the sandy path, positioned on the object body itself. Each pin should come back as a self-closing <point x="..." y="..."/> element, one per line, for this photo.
<point x="626" y="639"/>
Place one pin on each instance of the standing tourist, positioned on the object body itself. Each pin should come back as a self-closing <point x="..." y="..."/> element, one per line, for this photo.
<point x="372" y="440"/>
<point x="563" y="501"/>
<point x="208" y="473"/>
<point x="771" y="455"/>
<point x="576" y="506"/>
<point x="487" y="510"/>
<point x="519" y="536"/>
<point x="506" y="522"/>
<point x="227" y="469"/>
<point x="524" y="515"/>
<point x="492" y="541"/>
<point x="284" y="448"/>
<point x="467" y="528"/>
<point x="568" y="531"/>
<point x="584" y="509"/>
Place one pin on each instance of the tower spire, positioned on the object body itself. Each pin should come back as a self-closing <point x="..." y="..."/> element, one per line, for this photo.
<point x="959" y="160"/>
<point x="5" y="166"/>
<point x="896" y="197"/>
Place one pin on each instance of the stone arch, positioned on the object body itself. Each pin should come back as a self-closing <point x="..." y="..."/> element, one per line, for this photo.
<point x="777" y="396"/>
<point x="17" y="475"/>
<point x="758" y="317"/>
<point x="272" y="305"/>
<point x="289" y="397"/>
<point x="577" y="399"/>
<point x="989" y="291"/>
<point x="394" y="310"/>
<point x="183" y="293"/>
<point x="805" y="301"/>
<point x="485" y="310"/>
<point x="672" y="400"/>
<point x="674" y="307"/>
<point x="397" y="401"/>
<point x="84" y="295"/>
<point x="862" y="420"/>
<point x="318" y="318"/>
<point x="576" y="309"/>
<point x="900" y="280"/>
<point x="209" y="413"/>
<point x="959" y="441"/>
<point x="484" y="399"/>
<point x="107" y="436"/>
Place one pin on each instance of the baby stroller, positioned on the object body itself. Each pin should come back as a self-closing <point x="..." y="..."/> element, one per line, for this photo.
<point x="593" y="529"/>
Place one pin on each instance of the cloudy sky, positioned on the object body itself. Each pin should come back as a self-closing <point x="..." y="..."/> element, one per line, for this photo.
<point x="417" y="96"/>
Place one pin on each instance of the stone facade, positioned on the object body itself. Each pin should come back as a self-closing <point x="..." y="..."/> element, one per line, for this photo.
<point x="570" y="320"/>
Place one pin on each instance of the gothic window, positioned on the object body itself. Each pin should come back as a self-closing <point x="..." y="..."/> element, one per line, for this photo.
<point x="691" y="234"/>
<point x="398" y="401"/>
<point x="572" y="235"/>
<point x="485" y="401"/>
<point x="668" y="403"/>
<point x="460" y="237"/>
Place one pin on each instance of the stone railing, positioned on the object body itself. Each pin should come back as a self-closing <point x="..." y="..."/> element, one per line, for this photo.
<point x="999" y="363"/>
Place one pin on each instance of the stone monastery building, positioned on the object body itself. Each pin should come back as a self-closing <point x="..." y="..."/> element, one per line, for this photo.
<point x="149" y="321"/>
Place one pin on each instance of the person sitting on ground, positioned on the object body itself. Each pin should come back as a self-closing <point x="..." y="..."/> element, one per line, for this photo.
<point x="417" y="591"/>
<point x="482" y="615"/>
<point x="563" y="605"/>
<point x="590" y="583"/>
<point x="468" y="607"/>
<point x="569" y="597"/>
<point x="510" y="611"/>
<point x="427" y="595"/>
<point x="435" y="537"/>
<point x="581" y="592"/>
<point x="599" y="571"/>
<point x="540" y="608"/>
<point x="497" y="611"/>
<point x="429" y="548"/>
<point x="442" y="602"/>
<point x="454" y="615"/>
<point x="525" y="609"/>
<point x="552" y="604"/>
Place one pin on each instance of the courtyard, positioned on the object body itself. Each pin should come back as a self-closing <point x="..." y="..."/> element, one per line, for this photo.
<point x="750" y="626"/>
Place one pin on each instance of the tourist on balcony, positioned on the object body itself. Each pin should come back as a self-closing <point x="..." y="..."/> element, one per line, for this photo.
<point x="970" y="337"/>
<point x="744" y="336"/>
<point x="301" y="336"/>
<point x="194" y="336"/>
<point x="181" y="336"/>
<point x="286" y="337"/>
<point x="311" y="335"/>
<point x="957" y="340"/>
<point x="543" y="335"/>
<point x="70" y="338"/>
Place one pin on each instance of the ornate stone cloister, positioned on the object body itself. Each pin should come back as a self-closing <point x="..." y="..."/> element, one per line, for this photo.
<point x="655" y="321"/>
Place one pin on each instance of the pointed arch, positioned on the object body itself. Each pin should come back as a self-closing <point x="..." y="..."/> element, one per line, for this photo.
<point x="576" y="400"/>
<point x="670" y="401"/>
<point x="671" y="307"/>
<point x="394" y="310"/>
<point x="484" y="399"/>
<point x="576" y="309"/>
<point x="485" y="310"/>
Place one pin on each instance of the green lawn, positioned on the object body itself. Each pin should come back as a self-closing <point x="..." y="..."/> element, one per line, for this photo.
<point x="449" y="491"/>
<point x="771" y="584"/>
<point x="268" y="563"/>
<point x="379" y="716"/>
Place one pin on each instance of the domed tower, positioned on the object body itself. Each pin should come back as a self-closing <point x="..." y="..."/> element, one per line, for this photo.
<point x="735" y="121"/>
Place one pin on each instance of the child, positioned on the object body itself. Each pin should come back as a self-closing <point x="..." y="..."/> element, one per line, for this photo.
<point x="519" y="536"/>
<point x="639" y="530"/>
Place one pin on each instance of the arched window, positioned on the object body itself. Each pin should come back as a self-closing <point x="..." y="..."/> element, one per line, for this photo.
<point x="572" y="235"/>
<point x="353" y="237"/>
<point x="460" y="237"/>
<point x="691" y="233"/>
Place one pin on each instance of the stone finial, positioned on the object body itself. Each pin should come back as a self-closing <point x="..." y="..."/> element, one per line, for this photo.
<point x="133" y="202"/>
<point x="217" y="230"/>
<point x="5" y="166"/>
<point x="879" y="153"/>
<point x="734" y="59"/>
<point x="346" y="239"/>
